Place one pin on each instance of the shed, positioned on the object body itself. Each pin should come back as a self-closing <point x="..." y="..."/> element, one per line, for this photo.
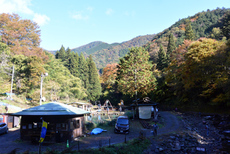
<point x="82" y="105"/>
<point x="145" y="109"/>
<point x="11" y="121"/>
<point x="65" y="122"/>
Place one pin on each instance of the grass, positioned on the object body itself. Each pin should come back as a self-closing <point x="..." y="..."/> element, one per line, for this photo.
<point x="135" y="146"/>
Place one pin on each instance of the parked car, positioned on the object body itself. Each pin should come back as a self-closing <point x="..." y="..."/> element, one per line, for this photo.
<point x="3" y="128"/>
<point x="122" y="125"/>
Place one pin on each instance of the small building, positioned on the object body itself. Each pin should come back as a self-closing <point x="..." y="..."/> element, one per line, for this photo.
<point x="82" y="105"/>
<point x="65" y="122"/>
<point x="145" y="109"/>
<point x="11" y="121"/>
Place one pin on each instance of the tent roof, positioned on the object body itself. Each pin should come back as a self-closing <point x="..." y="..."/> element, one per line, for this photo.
<point x="53" y="108"/>
<point x="81" y="103"/>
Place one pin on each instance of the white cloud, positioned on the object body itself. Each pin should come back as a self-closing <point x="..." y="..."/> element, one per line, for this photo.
<point x="79" y="16"/>
<point x="41" y="19"/>
<point x="109" y="11"/>
<point x="22" y="6"/>
<point x="83" y="14"/>
<point x="90" y="8"/>
<point x="15" y="6"/>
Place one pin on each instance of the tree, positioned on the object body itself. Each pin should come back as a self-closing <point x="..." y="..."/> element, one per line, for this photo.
<point x="83" y="71"/>
<point x="135" y="73"/>
<point x="94" y="89"/>
<point x="5" y="69"/>
<point x="216" y="34"/>
<point x="22" y="36"/>
<point x="171" y="46"/>
<point x="109" y="75"/>
<point x="73" y="64"/>
<point x="204" y="69"/>
<point x="226" y="25"/>
<point x="162" y="58"/>
<point x="189" y="35"/>
<point x="68" y="58"/>
<point x="62" y="54"/>
<point x="60" y="84"/>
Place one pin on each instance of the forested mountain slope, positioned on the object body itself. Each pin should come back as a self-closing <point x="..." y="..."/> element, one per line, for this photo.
<point x="204" y="24"/>
<point x="115" y="51"/>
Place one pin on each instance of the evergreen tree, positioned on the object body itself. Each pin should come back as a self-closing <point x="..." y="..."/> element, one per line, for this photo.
<point x="171" y="46"/>
<point x="68" y="51"/>
<point x="135" y="73"/>
<point x="76" y="64"/>
<point x="62" y="54"/>
<point x="226" y="25"/>
<point x="67" y="58"/>
<point x="73" y="64"/>
<point x="57" y="54"/>
<point x="189" y="35"/>
<point x="83" y="71"/>
<point x="94" y="89"/>
<point x="162" y="59"/>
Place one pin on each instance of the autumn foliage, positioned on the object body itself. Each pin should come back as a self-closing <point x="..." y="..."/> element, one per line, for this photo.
<point x="22" y="36"/>
<point x="109" y="74"/>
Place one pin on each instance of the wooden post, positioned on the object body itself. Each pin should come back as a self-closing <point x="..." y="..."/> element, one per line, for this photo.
<point x="39" y="151"/>
<point x="78" y="145"/>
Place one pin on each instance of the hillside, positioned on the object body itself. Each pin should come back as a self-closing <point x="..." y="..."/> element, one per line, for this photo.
<point x="91" y="47"/>
<point x="115" y="51"/>
<point x="204" y="24"/>
<point x="104" y="53"/>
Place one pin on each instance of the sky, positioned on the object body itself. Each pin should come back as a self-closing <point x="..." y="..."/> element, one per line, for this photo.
<point x="73" y="23"/>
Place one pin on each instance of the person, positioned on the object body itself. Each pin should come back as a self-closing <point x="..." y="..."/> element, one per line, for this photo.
<point x="207" y="129"/>
<point x="155" y="127"/>
<point x="6" y="108"/>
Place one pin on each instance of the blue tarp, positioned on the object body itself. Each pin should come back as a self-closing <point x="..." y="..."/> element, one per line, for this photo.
<point x="96" y="131"/>
<point x="8" y="94"/>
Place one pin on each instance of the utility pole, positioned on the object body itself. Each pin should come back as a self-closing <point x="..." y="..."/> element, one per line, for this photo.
<point x="135" y="78"/>
<point x="42" y="78"/>
<point x="12" y="79"/>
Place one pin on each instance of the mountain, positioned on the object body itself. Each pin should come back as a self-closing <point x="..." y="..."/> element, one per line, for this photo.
<point x="91" y="47"/>
<point x="113" y="52"/>
<point x="204" y="24"/>
<point x="104" y="53"/>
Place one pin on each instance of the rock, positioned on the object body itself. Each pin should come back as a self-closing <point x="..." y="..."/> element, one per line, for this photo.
<point x="208" y="118"/>
<point x="177" y="145"/>
<point x="172" y="137"/>
<point x="161" y="149"/>
<point x="169" y="140"/>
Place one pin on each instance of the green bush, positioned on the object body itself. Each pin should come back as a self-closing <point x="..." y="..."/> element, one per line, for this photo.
<point x="129" y="114"/>
<point x="90" y="125"/>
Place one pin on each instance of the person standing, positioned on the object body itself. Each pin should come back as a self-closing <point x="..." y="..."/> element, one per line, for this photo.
<point x="207" y="129"/>
<point x="155" y="127"/>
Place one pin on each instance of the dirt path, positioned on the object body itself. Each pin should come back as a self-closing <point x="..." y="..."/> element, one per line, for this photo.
<point x="171" y="124"/>
<point x="8" y="142"/>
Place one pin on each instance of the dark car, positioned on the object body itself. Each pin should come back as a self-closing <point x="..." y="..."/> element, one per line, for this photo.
<point x="122" y="125"/>
<point x="3" y="128"/>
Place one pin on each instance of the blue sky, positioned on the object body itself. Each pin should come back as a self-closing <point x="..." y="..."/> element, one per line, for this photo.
<point x="73" y="23"/>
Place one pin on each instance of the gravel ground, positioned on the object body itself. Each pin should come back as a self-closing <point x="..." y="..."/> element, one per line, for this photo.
<point x="11" y="141"/>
